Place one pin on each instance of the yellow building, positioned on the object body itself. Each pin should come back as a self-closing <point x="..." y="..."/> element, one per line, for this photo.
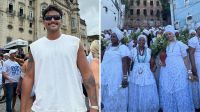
<point x="22" y="19"/>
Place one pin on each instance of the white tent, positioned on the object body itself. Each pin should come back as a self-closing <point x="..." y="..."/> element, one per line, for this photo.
<point x="16" y="44"/>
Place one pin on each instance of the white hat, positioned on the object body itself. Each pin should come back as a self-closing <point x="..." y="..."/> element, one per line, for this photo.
<point x="198" y="25"/>
<point x="118" y="33"/>
<point x="145" y="38"/>
<point x="192" y="31"/>
<point x="12" y="51"/>
<point x="146" y="31"/>
<point x="6" y="54"/>
<point x="169" y="28"/>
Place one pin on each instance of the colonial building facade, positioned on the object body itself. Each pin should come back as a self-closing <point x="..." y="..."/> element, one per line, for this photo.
<point x="112" y="14"/>
<point x="144" y="13"/>
<point x="23" y="19"/>
<point x="185" y="13"/>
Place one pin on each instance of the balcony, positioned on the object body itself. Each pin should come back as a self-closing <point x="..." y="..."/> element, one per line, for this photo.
<point x="21" y="15"/>
<point x="10" y="12"/>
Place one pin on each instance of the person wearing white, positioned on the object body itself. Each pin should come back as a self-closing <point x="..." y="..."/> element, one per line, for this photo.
<point x="114" y="75"/>
<point x="11" y="73"/>
<point x="143" y="94"/>
<point x="194" y="53"/>
<point x="53" y="68"/>
<point x="174" y="87"/>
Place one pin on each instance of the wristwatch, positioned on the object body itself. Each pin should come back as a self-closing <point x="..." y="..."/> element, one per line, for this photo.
<point x="94" y="107"/>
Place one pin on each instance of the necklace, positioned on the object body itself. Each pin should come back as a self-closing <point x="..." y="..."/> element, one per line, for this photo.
<point x="141" y="56"/>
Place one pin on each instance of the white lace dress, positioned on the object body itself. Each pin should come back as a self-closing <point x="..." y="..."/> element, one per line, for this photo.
<point x="114" y="98"/>
<point x="195" y="43"/>
<point x="174" y="89"/>
<point x="143" y="94"/>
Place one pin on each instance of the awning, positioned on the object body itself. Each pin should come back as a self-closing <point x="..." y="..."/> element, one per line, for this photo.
<point x="16" y="44"/>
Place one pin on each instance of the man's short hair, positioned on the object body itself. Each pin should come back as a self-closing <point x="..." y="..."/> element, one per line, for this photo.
<point x="51" y="8"/>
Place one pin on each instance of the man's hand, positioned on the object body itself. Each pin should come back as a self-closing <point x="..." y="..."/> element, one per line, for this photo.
<point x="125" y="82"/>
<point x="194" y="72"/>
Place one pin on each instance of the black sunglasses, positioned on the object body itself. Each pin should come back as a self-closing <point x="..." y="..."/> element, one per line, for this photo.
<point x="49" y="18"/>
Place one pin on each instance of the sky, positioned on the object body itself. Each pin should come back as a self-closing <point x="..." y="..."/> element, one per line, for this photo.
<point x="89" y="11"/>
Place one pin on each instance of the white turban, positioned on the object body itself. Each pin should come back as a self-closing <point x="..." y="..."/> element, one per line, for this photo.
<point x="146" y="31"/>
<point x="198" y="25"/>
<point x="145" y="38"/>
<point x="192" y="31"/>
<point x="107" y="36"/>
<point x="169" y="28"/>
<point x="118" y="33"/>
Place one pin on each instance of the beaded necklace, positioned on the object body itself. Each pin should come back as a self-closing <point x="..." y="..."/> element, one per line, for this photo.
<point x="139" y="56"/>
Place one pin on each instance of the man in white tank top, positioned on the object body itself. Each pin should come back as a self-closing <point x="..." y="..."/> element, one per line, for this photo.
<point x="53" y="68"/>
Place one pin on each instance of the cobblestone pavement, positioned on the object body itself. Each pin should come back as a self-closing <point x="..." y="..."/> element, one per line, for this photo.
<point x="3" y="106"/>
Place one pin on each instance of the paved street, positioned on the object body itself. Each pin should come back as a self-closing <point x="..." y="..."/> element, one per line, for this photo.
<point x="3" y="106"/>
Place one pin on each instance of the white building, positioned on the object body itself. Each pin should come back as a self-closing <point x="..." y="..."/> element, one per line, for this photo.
<point x="112" y="14"/>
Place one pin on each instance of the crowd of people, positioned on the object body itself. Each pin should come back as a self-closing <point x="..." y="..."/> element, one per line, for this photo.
<point x="134" y="78"/>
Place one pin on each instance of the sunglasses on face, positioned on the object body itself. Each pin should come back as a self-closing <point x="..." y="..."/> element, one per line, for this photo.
<point x="49" y="18"/>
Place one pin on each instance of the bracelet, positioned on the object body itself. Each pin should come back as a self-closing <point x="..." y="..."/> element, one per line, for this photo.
<point x="125" y="76"/>
<point x="94" y="107"/>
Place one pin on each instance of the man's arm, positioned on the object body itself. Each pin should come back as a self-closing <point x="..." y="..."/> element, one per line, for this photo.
<point x="87" y="76"/>
<point x="27" y="83"/>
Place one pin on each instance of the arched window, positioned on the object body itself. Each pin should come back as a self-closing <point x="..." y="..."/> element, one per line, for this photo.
<point x="10" y="8"/>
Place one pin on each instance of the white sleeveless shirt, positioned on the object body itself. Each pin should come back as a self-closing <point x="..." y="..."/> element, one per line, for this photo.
<point x="58" y="83"/>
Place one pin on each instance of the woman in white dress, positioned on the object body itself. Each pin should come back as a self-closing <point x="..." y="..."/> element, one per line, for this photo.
<point x="174" y="88"/>
<point x="194" y="53"/>
<point x="114" y="79"/>
<point x="143" y="94"/>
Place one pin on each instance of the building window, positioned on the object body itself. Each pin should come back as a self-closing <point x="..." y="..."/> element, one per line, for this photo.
<point x="138" y="11"/>
<point x="151" y="3"/>
<point x="9" y="39"/>
<point x="145" y="3"/>
<point x="157" y="3"/>
<point x="30" y="25"/>
<point x="43" y="7"/>
<point x="21" y="11"/>
<point x="158" y="13"/>
<point x="73" y="23"/>
<point x="30" y="2"/>
<point x="186" y="2"/>
<point x="106" y="9"/>
<point x="138" y="2"/>
<point x="10" y="8"/>
<point x="31" y="14"/>
<point x="131" y="2"/>
<point x="145" y="12"/>
<point x="151" y="12"/>
<point x="131" y="12"/>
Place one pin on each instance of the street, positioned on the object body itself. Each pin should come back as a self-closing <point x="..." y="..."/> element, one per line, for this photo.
<point x="3" y="106"/>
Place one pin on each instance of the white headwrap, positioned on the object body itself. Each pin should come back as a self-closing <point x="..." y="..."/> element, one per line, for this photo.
<point x="192" y="31"/>
<point x="118" y="33"/>
<point x="145" y="38"/>
<point x="169" y="28"/>
<point x="197" y="25"/>
<point x="146" y="31"/>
